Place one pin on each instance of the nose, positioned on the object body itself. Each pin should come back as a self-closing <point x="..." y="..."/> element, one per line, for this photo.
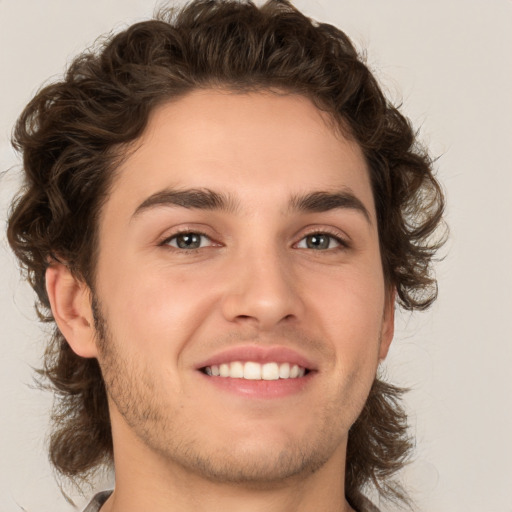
<point x="262" y="290"/>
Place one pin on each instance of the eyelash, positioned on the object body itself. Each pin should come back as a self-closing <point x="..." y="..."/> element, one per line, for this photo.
<point x="167" y="240"/>
<point x="343" y="244"/>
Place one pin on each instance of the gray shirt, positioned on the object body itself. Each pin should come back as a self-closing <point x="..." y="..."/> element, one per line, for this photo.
<point x="97" y="501"/>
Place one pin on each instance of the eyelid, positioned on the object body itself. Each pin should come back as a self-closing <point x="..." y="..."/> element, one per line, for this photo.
<point x="338" y="235"/>
<point x="182" y="231"/>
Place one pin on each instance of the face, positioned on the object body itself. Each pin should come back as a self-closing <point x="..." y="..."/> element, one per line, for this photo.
<point x="240" y="297"/>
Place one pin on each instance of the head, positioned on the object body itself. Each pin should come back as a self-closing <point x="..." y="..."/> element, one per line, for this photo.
<point x="81" y="139"/>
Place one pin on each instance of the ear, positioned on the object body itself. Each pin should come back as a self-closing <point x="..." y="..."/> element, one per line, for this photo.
<point x="70" y="300"/>
<point x="388" y="324"/>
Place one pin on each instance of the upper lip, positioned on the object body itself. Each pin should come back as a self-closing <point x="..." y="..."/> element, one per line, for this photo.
<point x="259" y="354"/>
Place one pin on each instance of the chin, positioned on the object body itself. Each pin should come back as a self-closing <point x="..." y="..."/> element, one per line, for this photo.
<point x="258" y="459"/>
<point x="261" y="469"/>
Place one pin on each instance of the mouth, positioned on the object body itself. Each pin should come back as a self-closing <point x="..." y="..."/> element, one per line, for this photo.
<point x="259" y="372"/>
<point x="251" y="370"/>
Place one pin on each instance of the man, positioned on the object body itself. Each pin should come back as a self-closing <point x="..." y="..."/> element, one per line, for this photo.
<point x="220" y="211"/>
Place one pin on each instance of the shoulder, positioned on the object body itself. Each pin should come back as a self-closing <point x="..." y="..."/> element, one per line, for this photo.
<point x="97" y="501"/>
<point x="367" y="506"/>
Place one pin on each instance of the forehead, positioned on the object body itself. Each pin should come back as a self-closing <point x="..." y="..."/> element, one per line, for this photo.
<point x="251" y="146"/>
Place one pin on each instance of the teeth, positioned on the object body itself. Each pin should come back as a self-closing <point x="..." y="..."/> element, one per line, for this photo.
<point x="236" y="370"/>
<point x="224" y="370"/>
<point x="284" y="371"/>
<point x="270" y="371"/>
<point x="252" y="371"/>
<point x="256" y="371"/>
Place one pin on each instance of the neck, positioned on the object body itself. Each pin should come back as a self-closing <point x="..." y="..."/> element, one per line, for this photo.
<point x="144" y="481"/>
<point x="210" y="497"/>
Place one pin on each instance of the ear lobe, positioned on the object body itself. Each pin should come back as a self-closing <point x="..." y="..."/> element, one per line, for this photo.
<point x="388" y="325"/>
<point x="70" y="300"/>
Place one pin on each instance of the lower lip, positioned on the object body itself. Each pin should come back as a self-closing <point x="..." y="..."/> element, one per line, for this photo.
<point x="261" y="389"/>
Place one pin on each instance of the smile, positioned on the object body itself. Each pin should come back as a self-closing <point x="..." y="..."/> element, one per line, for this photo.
<point x="255" y="371"/>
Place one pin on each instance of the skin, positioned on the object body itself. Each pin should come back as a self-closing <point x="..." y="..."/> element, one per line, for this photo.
<point x="182" y="442"/>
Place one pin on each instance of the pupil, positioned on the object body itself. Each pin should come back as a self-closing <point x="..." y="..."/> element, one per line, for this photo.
<point x="318" y="242"/>
<point x="188" y="241"/>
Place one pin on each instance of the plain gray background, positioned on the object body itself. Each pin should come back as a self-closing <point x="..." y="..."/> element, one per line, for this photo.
<point x="449" y="62"/>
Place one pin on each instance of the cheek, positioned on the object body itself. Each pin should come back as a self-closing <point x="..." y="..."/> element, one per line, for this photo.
<point x="350" y="309"/>
<point x="157" y="307"/>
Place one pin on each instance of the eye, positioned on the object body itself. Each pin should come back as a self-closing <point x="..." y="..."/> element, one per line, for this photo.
<point x="320" y="242"/>
<point x="188" y="240"/>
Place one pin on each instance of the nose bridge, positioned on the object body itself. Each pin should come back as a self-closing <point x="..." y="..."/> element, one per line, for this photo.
<point x="262" y="286"/>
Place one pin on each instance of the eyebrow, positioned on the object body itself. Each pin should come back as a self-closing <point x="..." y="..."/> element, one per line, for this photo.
<point x="200" y="198"/>
<point x="326" y="201"/>
<point x="206" y="199"/>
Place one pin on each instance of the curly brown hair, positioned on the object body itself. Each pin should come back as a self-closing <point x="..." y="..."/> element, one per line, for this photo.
<point x="72" y="136"/>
